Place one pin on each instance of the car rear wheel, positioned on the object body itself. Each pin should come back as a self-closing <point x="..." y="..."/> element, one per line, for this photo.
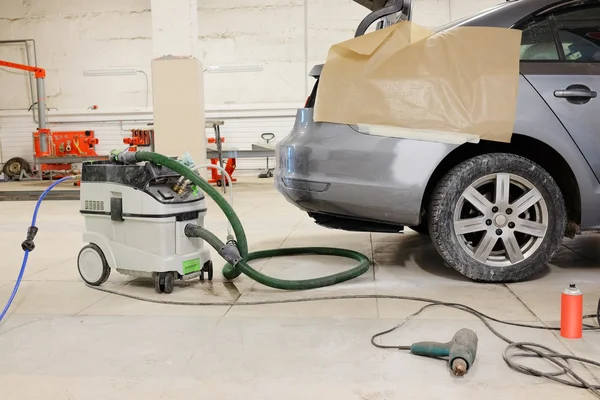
<point x="497" y="218"/>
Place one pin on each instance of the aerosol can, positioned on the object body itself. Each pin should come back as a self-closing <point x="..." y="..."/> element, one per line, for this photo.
<point x="571" y="313"/>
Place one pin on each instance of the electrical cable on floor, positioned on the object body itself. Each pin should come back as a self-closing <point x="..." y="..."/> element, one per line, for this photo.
<point x="28" y="245"/>
<point x="526" y="349"/>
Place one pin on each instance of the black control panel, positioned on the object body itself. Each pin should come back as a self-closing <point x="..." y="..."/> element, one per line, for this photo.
<point x="158" y="181"/>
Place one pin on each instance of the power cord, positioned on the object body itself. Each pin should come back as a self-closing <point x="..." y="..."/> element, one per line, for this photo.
<point x="520" y="350"/>
<point x="28" y="244"/>
<point x="525" y="349"/>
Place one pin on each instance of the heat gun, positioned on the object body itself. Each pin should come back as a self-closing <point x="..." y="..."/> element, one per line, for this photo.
<point x="461" y="351"/>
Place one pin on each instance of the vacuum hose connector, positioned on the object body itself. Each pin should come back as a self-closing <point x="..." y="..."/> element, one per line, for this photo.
<point x="125" y="157"/>
<point x="229" y="251"/>
<point x="28" y="244"/>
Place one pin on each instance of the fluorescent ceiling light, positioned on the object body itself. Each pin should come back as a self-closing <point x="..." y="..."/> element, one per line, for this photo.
<point x="221" y="69"/>
<point x="109" y="72"/>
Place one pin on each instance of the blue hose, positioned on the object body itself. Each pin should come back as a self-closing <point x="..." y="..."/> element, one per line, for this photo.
<point x="26" y="255"/>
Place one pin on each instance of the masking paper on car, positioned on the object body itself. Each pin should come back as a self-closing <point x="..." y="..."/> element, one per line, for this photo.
<point x="463" y="80"/>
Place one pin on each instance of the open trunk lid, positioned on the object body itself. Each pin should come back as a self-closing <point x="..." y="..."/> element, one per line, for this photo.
<point x="372" y="5"/>
<point x="387" y="12"/>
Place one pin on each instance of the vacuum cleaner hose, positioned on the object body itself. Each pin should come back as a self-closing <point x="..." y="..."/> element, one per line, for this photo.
<point x="233" y="270"/>
<point x="241" y="264"/>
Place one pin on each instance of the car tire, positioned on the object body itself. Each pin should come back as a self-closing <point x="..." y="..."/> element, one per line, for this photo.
<point x="489" y="233"/>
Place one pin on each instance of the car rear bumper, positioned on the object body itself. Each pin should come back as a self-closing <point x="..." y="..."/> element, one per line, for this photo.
<point x="334" y="169"/>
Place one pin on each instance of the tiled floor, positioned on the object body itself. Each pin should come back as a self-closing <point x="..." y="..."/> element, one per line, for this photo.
<point x="66" y="341"/>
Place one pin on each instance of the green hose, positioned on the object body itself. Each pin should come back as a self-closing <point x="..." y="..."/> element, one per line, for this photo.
<point x="233" y="271"/>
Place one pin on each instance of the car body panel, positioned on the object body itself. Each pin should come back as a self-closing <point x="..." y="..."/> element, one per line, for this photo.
<point x="334" y="159"/>
<point x="580" y="118"/>
<point x="539" y="122"/>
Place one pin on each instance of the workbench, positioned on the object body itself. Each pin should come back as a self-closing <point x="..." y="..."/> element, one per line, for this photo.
<point x="220" y="151"/>
<point x="258" y="151"/>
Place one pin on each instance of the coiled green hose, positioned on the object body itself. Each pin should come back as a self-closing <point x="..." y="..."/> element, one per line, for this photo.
<point x="230" y="271"/>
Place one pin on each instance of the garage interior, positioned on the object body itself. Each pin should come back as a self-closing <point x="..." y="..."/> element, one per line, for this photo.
<point x="220" y="83"/>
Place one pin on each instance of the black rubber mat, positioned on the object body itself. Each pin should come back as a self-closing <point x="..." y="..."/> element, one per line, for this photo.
<point x="33" y="195"/>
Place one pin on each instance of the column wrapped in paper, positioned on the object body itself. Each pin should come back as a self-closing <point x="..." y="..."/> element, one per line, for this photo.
<point x="463" y="80"/>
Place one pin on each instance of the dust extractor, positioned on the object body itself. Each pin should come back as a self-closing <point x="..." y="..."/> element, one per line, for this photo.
<point x="135" y="216"/>
<point x="144" y="216"/>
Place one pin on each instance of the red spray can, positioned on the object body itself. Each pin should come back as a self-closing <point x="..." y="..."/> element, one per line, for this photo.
<point x="571" y="313"/>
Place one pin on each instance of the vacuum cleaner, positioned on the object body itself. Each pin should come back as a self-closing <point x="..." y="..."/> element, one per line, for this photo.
<point x="135" y="216"/>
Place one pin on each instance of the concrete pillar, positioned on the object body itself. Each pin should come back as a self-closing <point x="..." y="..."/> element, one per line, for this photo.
<point x="177" y="80"/>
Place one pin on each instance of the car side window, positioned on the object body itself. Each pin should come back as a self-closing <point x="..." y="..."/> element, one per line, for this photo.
<point x="538" y="42"/>
<point x="579" y="33"/>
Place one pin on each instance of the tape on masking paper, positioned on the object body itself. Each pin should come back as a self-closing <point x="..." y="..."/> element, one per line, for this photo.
<point x="419" y="134"/>
<point x="462" y="81"/>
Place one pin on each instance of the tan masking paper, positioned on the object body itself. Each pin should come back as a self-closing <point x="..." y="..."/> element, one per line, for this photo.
<point x="463" y="80"/>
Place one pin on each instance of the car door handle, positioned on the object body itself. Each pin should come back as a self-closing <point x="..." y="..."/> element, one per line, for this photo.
<point x="585" y="94"/>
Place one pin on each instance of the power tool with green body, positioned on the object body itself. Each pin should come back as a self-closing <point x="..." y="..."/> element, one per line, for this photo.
<point x="461" y="351"/>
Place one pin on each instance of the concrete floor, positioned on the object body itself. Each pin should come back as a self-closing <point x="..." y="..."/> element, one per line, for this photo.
<point x="66" y="341"/>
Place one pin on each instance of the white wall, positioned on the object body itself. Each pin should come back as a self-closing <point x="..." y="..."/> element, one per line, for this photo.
<point x="286" y="37"/>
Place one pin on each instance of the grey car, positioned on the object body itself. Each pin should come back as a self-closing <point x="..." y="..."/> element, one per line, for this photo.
<point x="496" y="212"/>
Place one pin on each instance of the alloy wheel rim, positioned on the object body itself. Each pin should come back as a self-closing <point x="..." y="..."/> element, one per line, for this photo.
<point x="501" y="219"/>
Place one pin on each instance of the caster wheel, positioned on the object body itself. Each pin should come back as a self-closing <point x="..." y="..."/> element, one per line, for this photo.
<point x="159" y="282"/>
<point x="219" y="183"/>
<point x="164" y="282"/>
<point x="169" y="282"/>
<point x="208" y="268"/>
<point x="92" y="265"/>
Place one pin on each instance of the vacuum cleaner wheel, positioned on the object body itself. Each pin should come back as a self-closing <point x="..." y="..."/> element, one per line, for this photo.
<point x="92" y="265"/>
<point x="164" y="282"/>
<point x="208" y="268"/>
